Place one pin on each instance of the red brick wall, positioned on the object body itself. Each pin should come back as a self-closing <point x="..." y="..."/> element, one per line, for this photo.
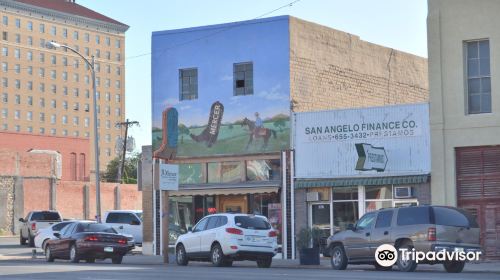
<point x="23" y="142"/>
<point x="36" y="194"/>
<point x="69" y="199"/>
<point x="130" y="198"/>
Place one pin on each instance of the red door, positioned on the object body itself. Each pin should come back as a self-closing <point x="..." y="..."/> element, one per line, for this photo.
<point x="478" y="191"/>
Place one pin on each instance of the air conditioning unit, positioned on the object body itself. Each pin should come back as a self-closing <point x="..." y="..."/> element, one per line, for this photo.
<point x="403" y="192"/>
<point x="312" y="196"/>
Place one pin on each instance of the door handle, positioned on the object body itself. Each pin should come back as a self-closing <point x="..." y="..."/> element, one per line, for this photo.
<point x="367" y="234"/>
<point x="386" y="232"/>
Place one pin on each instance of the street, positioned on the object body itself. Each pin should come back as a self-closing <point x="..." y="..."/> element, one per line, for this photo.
<point x="16" y="263"/>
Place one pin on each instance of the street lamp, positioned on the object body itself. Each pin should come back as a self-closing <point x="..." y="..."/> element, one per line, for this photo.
<point x="96" y="140"/>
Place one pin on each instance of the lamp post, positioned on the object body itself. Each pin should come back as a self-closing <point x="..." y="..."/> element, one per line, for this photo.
<point x="96" y="140"/>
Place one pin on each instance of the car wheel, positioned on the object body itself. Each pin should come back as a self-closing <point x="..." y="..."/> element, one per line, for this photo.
<point x="117" y="259"/>
<point x="378" y="267"/>
<point x="180" y="255"/>
<point x="31" y="241"/>
<point x="22" y="241"/>
<point x="454" y="266"/>
<point x="265" y="263"/>
<point x="216" y="255"/>
<point x="73" y="254"/>
<point x="406" y="265"/>
<point x="48" y="255"/>
<point x="90" y="260"/>
<point x="339" y="258"/>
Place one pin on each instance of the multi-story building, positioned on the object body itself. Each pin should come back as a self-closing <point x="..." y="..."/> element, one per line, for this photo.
<point x="235" y="88"/>
<point x="46" y="91"/>
<point x="464" y="84"/>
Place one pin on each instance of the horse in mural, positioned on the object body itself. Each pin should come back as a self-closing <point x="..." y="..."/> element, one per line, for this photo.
<point x="256" y="132"/>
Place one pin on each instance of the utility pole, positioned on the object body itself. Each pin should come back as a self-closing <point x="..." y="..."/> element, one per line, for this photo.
<point x="127" y="124"/>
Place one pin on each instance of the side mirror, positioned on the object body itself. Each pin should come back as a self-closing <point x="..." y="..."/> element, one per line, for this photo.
<point x="21" y="220"/>
<point x="190" y="229"/>
<point x="57" y="234"/>
<point x="350" y="227"/>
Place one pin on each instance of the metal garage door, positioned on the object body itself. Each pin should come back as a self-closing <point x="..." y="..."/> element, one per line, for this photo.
<point x="478" y="190"/>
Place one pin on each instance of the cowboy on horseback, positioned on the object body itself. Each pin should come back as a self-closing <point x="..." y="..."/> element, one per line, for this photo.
<point x="259" y="124"/>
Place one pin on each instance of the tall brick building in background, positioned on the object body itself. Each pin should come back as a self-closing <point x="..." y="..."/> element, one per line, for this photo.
<point x="49" y="91"/>
<point x="46" y="110"/>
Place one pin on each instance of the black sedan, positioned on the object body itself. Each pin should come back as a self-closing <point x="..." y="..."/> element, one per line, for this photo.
<point x="87" y="241"/>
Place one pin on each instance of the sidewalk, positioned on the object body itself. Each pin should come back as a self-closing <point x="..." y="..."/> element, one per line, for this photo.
<point x="139" y="259"/>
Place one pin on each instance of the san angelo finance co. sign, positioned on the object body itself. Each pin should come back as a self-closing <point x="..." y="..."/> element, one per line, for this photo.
<point x="379" y="141"/>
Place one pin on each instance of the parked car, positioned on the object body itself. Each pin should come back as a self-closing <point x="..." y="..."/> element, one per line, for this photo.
<point x="35" y="221"/>
<point x="424" y="228"/>
<point x="47" y="234"/>
<point x="87" y="241"/>
<point x="224" y="238"/>
<point x="126" y="222"/>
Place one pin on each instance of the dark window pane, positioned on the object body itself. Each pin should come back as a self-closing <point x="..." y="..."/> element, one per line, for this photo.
<point x="472" y="50"/>
<point x="240" y="83"/>
<point x="263" y="170"/>
<point x="474" y="85"/>
<point x="473" y="68"/>
<point x="60" y="226"/>
<point x="113" y="218"/>
<point x="201" y="225"/>
<point x="379" y="192"/>
<point x="222" y="221"/>
<point x="384" y="219"/>
<point x="189" y="173"/>
<point x="250" y="222"/>
<point x="451" y="217"/>
<point x="485" y="85"/>
<point x="321" y="215"/>
<point x="485" y="103"/>
<point x="413" y="216"/>
<point x="484" y="64"/>
<point x="484" y="49"/>
<point x="474" y="104"/>
<point x="345" y="193"/>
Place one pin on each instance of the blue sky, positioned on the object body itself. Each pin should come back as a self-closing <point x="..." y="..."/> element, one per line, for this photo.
<point x="393" y="23"/>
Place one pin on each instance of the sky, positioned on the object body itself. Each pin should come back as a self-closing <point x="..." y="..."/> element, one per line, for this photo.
<point x="392" y="23"/>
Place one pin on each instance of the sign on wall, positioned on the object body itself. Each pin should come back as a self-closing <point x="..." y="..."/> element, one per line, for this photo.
<point x="169" y="177"/>
<point x="369" y="142"/>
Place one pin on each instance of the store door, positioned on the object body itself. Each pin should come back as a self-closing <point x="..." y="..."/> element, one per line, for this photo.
<point x="320" y="218"/>
<point x="478" y="191"/>
<point x="234" y="203"/>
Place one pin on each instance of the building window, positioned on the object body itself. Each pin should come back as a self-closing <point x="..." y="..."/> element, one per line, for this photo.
<point x="65" y="105"/>
<point x="225" y="172"/>
<point x="76" y="120"/>
<point x="30" y="100"/>
<point x="5" y="20"/>
<point x="117" y="43"/>
<point x="65" y="119"/>
<point x="5" y="51"/>
<point x="98" y="53"/>
<point x="53" y="88"/>
<point x="117" y="98"/>
<point x="42" y="57"/>
<point x="108" y="55"/>
<point x="188" y="84"/>
<point x="53" y="119"/>
<point x="65" y="32"/>
<point x="29" y="70"/>
<point x="42" y="102"/>
<point x="18" y="99"/>
<point x="5" y="82"/>
<point x="108" y="41"/>
<point x="17" y="53"/>
<point x="5" y="97"/>
<point x="29" y="56"/>
<point x="18" y="128"/>
<point x="42" y="43"/>
<point x="53" y="30"/>
<point x="75" y="35"/>
<point x="29" y="26"/>
<point x="42" y="117"/>
<point x="29" y="116"/>
<point x="29" y="85"/>
<point x="42" y="130"/>
<point x="86" y="122"/>
<point x="53" y="74"/>
<point x="53" y="131"/>
<point x="243" y="78"/>
<point x="42" y="28"/>
<point x="65" y="91"/>
<point x="65" y="132"/>
<point x="53" y="59"/>
<point x="118" y="57"/>
<point x="478" y="77"/>
<point x="29" y="40"/>
<point x="17" y="68"/>
<point x="41" y="72"/>
<point x="97" y="39"/>
<point x="5" y="113"/>
<point x="65" y="76"/>
<point x="17" y="114"/>
<point x="18" y="84"/>
<point x="29" y="129"/>
<point x="41" y="87"/>
<point x="65" y="61"/>
<point x="5" y="36"/>
<point x="86" y="51"/>
<point x="86" y="37"/>
<point x="18" y="23"/>
<point x="5" y="67"/>
<point x="18" y="38"/>
<point x="53" y="103"/>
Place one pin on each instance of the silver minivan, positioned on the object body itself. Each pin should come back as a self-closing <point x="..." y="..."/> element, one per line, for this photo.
<point x="407" y="229"/>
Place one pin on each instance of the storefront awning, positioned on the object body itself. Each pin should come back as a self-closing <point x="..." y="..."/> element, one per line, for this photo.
<point x="229" y="189"/>
<point x="372" y="181"/>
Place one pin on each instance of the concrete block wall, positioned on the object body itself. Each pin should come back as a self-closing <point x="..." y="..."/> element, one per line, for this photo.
<point x="331" y="69"/>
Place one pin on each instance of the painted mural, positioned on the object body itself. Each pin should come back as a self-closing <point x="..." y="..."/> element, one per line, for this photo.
<point x="219" y="120"/>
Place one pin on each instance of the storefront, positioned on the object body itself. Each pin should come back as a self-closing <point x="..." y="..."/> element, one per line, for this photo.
<point x="216" y="186"/>
<point x="350" y="162"/>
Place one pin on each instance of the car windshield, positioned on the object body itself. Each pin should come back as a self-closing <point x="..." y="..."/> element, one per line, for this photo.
<point x="45" y="216"/>
<point x="94" y="227"/>
<point x="250" y="222"/>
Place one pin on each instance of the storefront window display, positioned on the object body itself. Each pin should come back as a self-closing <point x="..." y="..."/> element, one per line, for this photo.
<point x="191" y="173"/>
<point x="260" y="203"/>
<point x="225" y="172"/>
<point x="263" y="170"/>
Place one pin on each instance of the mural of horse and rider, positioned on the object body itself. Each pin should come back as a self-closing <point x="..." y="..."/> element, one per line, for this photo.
<point x="250" y="134"/>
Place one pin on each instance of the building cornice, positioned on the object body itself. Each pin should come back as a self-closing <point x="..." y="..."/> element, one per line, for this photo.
<point x="34" y="11"/>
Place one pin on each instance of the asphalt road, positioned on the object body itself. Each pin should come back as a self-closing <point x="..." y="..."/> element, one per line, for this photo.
<point x="15" y="265"/>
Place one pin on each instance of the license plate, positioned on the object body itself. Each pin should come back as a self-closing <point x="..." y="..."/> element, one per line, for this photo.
<point x="255" y="238"/>
<point x="459" y="249"/>
<point x="108" y="249"/>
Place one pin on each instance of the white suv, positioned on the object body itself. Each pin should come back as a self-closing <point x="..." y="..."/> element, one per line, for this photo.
<point x="224" y="238"/>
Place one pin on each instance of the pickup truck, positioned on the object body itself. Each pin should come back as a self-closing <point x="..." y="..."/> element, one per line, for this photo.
<point x="126" y="222"/>
<point x="35" y="221"/>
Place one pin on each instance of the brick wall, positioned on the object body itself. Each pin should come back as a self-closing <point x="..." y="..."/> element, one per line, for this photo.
<point x="23" y="142"/>
<point x="331" y="69"/>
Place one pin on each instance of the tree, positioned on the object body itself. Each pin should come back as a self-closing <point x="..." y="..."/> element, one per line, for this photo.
<point x="280" y="123"/>
<point x="183" y="130"/>
<point x="129" y="175"/>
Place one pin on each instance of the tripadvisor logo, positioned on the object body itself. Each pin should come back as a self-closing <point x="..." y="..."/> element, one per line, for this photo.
<point x="386" y="255"/>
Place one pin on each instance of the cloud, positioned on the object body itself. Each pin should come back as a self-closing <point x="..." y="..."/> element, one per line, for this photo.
<point x="185" y="107"/>
<point x="170" y="102"/>
<point x="226" y="78"/>
<point x="273" y="94"/>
